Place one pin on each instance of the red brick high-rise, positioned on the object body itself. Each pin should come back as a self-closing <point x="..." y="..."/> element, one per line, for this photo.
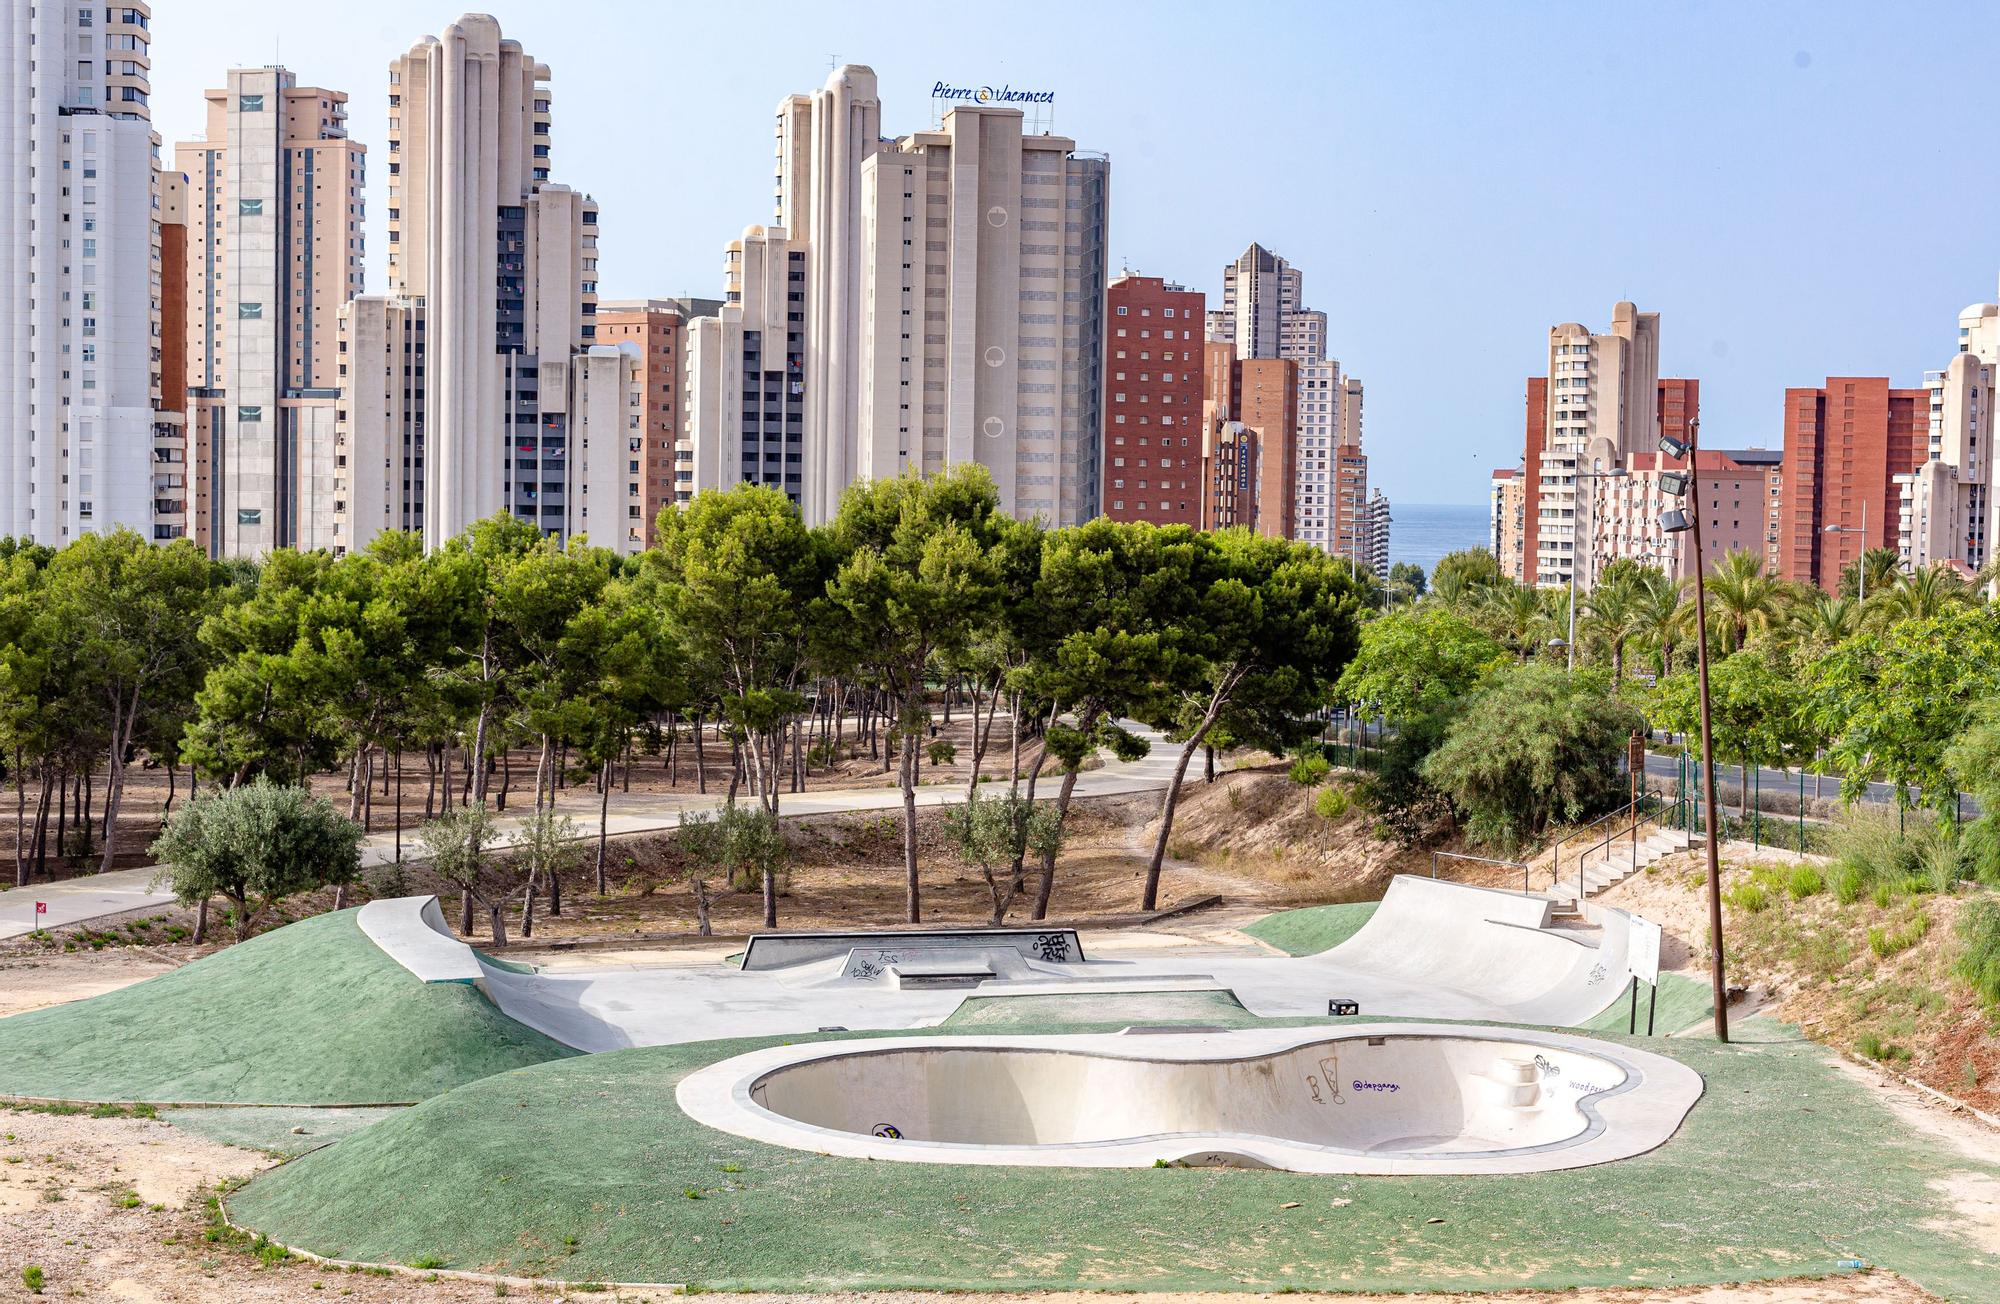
<point x="1845" y="443"/>
<point x="657" y="328"/>
<point x="1153" y="397"/>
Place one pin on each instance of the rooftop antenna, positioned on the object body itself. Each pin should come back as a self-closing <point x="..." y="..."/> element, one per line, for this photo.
<point x="832" y="62"/>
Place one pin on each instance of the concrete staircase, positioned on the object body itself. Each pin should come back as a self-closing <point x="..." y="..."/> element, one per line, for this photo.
<point x="1612" y="865"/>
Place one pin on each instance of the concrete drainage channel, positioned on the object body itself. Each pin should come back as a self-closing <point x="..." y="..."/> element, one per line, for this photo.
<point x="1392" y="1099"/>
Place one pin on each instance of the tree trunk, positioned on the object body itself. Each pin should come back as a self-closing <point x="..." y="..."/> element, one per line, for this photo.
<point x="528" y="907"/>
<point x="701" y="907"/>
<point x="603" y="825"/>
<point x="1149" y="900"/>
<point x="340" y="896"/>
<point x="499" y="924"/>
<point x="1048" y="885"/>
<point x="912" y="902"/>
<point x="700" y="760"/>
<point x="464" y="913"/>
<point x="21" y="821"/>
<point x="770" y="900"/>
<point x="200" y="921"/>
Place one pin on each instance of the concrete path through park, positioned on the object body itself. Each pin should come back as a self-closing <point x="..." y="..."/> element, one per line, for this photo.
<point x="96" y="896"/>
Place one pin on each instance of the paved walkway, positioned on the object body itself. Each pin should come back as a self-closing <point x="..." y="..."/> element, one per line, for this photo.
<point x="94" y="896"/>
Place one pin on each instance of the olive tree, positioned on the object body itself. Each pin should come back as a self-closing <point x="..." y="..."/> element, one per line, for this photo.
<point x="254" y="845"/>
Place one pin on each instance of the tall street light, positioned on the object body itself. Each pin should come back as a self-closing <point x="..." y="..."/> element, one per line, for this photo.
<point x="1580" y="477"/>
<point x="1674" y="520"/>
<point x="1861" y="563"/>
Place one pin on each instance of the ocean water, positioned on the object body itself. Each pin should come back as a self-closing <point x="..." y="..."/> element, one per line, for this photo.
<point x="1425" y="532"/>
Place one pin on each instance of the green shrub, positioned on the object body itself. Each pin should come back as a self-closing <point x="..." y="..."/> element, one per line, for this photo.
<point x="1848" y="884"/>
<point x="1873" y="1047"/>
<point x="1331" y="803"/>
<point x="1310" y="769"/>
<point x="33" y="1278"/>
<point x="1885" y="941"/>
<point x="1883" y="895"/>
<point x="1979" y="962"/>
<point x="1805" y="881"/>
<point x="1749" y="897"/>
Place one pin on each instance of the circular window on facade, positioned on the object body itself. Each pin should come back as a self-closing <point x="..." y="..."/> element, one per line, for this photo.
<point x="995" y="355"/>
<point x="996" y="216"/>
<point x="993" y="427"/>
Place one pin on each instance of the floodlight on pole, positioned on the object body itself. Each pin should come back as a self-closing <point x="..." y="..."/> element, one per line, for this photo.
<point x="1674" y="521"/>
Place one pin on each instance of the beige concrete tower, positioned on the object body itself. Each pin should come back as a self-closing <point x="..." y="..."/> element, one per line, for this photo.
<point x="744" y="405"/>
<point x="505" y="265"/>
<point x="274" y="250"/>
<point x="846" y="126"/>
<point x="984" y="311"/>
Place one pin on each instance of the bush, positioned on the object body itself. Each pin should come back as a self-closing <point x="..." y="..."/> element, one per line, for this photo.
<point x="1848" y="883"/>
<point x="1885" y="941"/>
<point x="1873" y="1047"/>
<point x="1535" y="745"/>
<point x="1310" y="769"/>
<point x="255" y="845"/>
<point x="1979" y="962"/>
<point x="1805" y="881"/>
<point x="1749" y="897"/>
<point x="1331" y="803"/>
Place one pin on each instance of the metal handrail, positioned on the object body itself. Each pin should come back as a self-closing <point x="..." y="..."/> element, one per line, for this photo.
<point x="1481" y="860"/>
<point x="1638" y="818"/>
<point x="1555" y="853"/>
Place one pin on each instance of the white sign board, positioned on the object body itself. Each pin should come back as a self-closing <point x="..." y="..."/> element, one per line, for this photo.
<point x="1642" y="950"/>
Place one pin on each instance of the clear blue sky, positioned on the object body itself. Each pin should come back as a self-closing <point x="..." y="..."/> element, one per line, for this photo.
<point x="1800" y="189"/>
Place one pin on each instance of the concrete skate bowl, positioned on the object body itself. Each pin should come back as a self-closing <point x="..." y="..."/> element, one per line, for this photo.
<point x="1384" y="1098"/>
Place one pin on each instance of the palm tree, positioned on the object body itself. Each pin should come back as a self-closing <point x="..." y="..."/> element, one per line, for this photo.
<point x="1745" y="598"/>
<point x="1882" y="565"/>
<point x="1514" y="615"/>
<point x="1658" y="615"/>
<point x="1924" y="594"/>
<point x="1823" y="620"/>
<point x="1612" y="615"/>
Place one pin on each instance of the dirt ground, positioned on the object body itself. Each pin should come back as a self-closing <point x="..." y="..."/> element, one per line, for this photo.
<point x="114" y="1209"/>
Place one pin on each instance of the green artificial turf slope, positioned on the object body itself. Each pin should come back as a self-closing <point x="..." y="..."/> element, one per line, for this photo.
<point x="309" y="1014"/>
<point x="1313" y="929"/>
<point x="586" y="1170"/>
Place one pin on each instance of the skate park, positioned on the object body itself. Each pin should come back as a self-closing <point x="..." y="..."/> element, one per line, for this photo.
<point x="727" y="1119"/>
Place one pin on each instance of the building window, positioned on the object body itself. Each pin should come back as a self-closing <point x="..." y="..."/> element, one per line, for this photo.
<point x="250" y="207"/>
<point x="249" y="412"/>
<point x="250" y="311"/>
<point x="249" y="516"/>
<point x="250" y="103"/>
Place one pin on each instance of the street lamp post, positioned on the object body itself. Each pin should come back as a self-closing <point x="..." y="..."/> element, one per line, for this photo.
<point x="1861" y="562"/>
<point x="1580" y="477"/>
<point x="1671" y="521"/>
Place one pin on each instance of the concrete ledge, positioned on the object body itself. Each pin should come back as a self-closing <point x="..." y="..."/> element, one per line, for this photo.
<point x="412" y="932"/>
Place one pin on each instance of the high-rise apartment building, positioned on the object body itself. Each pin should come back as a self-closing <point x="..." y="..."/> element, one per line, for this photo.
<point x="1601" y="402"/>
<point x="1846" y="443"/>
<point x="1153" y="399"/>
<point x="504" y="265"/>
<point x="823" y="142"/>
<point x="1260" y="292"/>
<point x="744" y="404"/>
<point x="1267" y="400"/>
<point x="1947" y="511"/>
<point x="1228" y="471"/>
<point x="1737" y="493"/>
<point x="81" y="263"/>
<point x="949" y="307"/>
<point x="171" y="485"/>
<point x="658" y="331"/>
<point x="274" y="252"/>
<point x="1374" y="554"/>
<point x="983" y="325"/>
<point x="1505" y="509"/>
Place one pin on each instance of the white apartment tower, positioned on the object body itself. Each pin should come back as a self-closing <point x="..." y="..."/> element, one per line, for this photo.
<point x="983" y="311"/>
<point x="274" y="251"/>
<point x="504" y="265"/>
<point x="745" y="402"/>
<point x="1603" y="407"/>
<point x="1948" y="510"/>
<point x="80" y="262"/>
